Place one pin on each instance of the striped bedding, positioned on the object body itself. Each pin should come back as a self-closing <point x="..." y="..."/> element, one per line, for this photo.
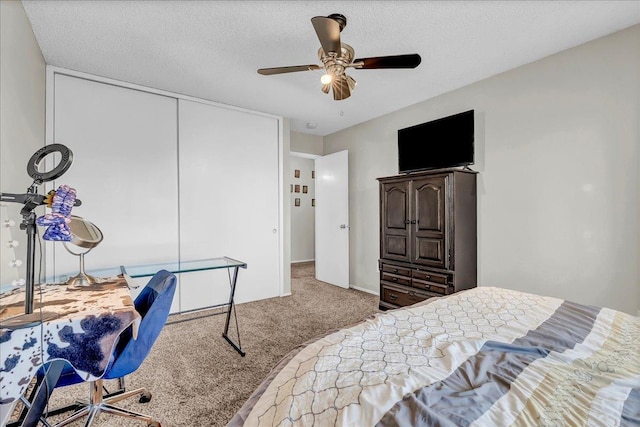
<point x="483" y="357"/>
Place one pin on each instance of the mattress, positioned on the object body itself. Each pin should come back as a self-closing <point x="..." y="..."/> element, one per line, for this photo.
<point x="483" y="357"/>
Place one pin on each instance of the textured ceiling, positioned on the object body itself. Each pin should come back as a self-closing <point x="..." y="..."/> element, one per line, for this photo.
<point x="212" y="49"/>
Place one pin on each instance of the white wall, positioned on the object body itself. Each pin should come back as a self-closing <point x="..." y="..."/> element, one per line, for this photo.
<point x="303" y="216"/>
<point x="22" y="105"/>
<point x="557" y="148"/>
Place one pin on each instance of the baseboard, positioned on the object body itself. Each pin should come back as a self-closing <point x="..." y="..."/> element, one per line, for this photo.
<point x="288" y="294"/>
<point x="303" y="260"/>
<point x="369" y="291"/>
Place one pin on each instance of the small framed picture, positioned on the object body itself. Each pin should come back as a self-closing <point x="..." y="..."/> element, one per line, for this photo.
<point x="313" y="202"/>
<point x="297" y="202"/>
<point x="313" y="174"/>
<point x="296" y="173"/>
<point x="297" y="188"/>
<point x="305" y="189"/>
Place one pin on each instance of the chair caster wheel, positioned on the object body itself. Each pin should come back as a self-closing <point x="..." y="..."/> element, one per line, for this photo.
<point x="145" y="397"/>
<point x="154" y="424"/>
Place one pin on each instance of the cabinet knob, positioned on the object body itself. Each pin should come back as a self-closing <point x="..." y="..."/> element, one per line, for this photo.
<point x="395" y="279"/>
<point x="395" y="270"/>
<point x="427" y="277"/>
<point x="393" y="296"/>
<point x="406" y="221"/>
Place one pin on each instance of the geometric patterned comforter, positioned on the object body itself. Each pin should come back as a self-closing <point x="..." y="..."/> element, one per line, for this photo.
<point x="482" y="357"/>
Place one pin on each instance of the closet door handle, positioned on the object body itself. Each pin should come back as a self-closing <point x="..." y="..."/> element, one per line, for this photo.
<point x="406" y="221"/>
<point x="413" y="221"/>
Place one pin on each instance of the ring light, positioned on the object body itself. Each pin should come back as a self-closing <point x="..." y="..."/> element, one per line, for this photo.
<point x="66" y="159"/>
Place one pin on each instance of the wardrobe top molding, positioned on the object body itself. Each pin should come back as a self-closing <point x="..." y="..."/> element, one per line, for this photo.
<point x="426" y="172"/>
<point x="53" y="70"/>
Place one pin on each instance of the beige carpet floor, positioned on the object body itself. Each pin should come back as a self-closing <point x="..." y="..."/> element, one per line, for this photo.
<point x="197" y="379"/>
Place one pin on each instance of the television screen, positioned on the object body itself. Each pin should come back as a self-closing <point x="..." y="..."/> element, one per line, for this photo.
<point x="441" y="143"/>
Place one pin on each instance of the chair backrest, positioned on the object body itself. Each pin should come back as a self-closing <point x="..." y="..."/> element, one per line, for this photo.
<point x="153" y="304"/>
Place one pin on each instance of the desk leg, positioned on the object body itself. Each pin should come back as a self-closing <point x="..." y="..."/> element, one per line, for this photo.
<point x="45" y="388"/>
<point x="225" y="335"/>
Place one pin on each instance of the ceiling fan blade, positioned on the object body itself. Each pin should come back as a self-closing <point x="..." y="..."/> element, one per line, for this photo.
<point x="340" y="86"/>
<point x="395" y="61"/>
<point x="351" y="82"/>
<point x="326" y="88"/>
<point x="328" y="32"/>
<point x="292" y="69"/>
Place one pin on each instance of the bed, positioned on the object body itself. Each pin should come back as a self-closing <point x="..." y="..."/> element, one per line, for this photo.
<point x="483" y="357"/>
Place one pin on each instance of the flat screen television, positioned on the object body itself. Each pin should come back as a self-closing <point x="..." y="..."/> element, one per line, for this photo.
<point x="441" y="143"/>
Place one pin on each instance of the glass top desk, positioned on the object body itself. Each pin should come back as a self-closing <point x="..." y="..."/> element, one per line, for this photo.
<point x="137" y="271"/>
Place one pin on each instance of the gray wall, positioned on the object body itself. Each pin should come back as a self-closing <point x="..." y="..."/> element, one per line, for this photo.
<point x="303" y="143"/>
<point x="22" y="104"/>
<point x="303" y="216"/>
<point x="557" y="150"/>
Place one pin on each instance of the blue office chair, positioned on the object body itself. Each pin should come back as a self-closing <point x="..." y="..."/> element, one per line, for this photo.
<point x="153" y="304"/>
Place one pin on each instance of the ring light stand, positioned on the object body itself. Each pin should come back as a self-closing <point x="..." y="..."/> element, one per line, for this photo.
<point x="31" y="200"/>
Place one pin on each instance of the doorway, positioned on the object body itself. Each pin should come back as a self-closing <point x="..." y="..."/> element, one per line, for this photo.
<point x="302" y="193"/>
<point x="320" y="230"/>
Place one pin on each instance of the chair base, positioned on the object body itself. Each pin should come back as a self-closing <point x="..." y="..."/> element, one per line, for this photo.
<point x="98" y="404"/>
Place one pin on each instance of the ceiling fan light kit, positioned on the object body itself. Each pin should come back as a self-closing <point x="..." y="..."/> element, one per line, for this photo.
<point x="336" y="57"/>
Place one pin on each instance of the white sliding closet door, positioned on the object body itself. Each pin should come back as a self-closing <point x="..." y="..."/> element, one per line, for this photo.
<point x="124" y="144"/>
<point x="228" y="201"/>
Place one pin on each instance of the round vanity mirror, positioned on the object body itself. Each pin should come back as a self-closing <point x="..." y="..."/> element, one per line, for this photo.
<point x="84" y="234"/>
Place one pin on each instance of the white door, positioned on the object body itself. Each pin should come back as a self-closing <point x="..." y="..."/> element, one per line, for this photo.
<point x="229" y="201"/>
<point x="332" y="219"/>
<point x="124" y="171"/>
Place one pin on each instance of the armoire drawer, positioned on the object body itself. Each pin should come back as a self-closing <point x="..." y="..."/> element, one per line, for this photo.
<point x="429" y="276"/>
<point x="394" y="269"/>
<point x="393" y="278"/>
<point x="431" y="287"/>
<point x="403" y="296"/>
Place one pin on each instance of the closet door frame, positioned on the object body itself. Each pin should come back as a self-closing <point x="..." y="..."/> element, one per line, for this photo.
<point x="52" y="71"/>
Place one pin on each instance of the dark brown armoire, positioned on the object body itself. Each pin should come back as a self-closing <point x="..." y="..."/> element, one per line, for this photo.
<point x="428" y="235"/>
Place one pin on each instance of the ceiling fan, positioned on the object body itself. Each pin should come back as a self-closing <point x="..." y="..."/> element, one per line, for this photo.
<point x="336" y="57"/>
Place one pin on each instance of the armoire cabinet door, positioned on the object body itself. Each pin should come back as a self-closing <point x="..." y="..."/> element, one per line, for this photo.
<point x="429" y="207"/>
<point x="395" y="220"/>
